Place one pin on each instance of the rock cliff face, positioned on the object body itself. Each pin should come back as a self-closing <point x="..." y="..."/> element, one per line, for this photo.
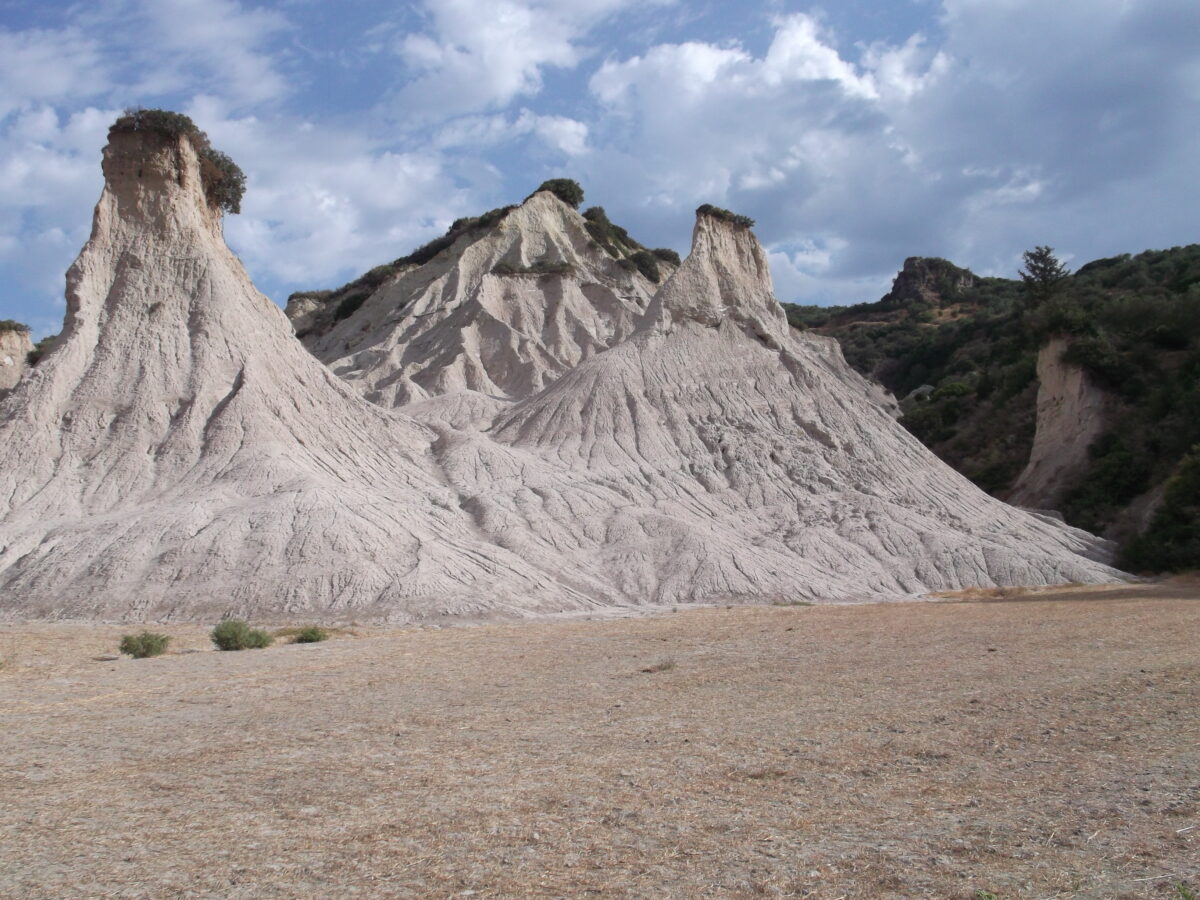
<point x="534" y="445"/>
<point x="1072" y="412"/>
<point x="15" y="346"/>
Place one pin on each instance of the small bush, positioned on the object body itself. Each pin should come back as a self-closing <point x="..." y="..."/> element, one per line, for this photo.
<point x="146" y="644"/>
<point x="234" y="634"/>
<point x="725" y="215"/>
<point x="667" y="255"/>
<point x="310" y="634"/>
<point x="10" y="325"/>
<point x="566" y="190"/>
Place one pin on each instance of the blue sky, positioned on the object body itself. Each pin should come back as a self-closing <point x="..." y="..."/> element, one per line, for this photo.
<point x="857" y="133"/>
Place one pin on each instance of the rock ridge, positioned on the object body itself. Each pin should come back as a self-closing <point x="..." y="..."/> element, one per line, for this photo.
<point x="479" y="446"/>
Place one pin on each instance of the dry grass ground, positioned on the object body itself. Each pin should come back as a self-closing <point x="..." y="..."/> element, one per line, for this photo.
<point x="1040" y="747"/>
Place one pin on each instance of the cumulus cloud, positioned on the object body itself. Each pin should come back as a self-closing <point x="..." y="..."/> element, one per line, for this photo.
<point x="1002" y="124"/>
<point x="166" y="46"/>
<point x="478" y="55"/>
<point x="1022" y="124"/>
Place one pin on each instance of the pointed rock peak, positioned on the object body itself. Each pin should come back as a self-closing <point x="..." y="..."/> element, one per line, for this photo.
<point x="725" y="276"/>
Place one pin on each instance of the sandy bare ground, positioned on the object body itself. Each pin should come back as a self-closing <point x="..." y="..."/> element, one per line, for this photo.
<point x="1047" y="747"/>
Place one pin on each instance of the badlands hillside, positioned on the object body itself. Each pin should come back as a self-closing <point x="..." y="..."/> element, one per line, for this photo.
<point x="518" y="425"/>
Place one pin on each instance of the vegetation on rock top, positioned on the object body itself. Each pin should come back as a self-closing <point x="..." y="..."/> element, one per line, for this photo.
<point x="565" y="189"/>
<point x="224" y="181"/>
<point x="9" y="325"/>
<point x="716" y="212"/>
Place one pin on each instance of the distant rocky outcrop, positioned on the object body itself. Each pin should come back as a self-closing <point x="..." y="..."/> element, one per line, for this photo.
<point x="1085" y="399"/>
<point x="537" y="443"/>
<point x="928" y="280"/>
<point x="15" y="347"/>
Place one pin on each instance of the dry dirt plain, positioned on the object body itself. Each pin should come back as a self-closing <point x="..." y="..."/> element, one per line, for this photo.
<point x="1046" y="746"/>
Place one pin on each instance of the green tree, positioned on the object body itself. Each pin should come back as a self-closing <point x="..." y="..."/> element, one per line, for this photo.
<point x="568" y="191"/>
<point x="1043" y="275"/>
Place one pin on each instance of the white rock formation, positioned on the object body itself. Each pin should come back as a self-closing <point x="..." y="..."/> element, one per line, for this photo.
<point x="454" y="325"/>
<point x="1072" y="411"/>
<point x="180" y="455"/>
<point x="15" y="346"/>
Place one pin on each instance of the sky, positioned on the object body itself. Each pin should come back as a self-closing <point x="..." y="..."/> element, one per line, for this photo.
<point x="856" y="132"/>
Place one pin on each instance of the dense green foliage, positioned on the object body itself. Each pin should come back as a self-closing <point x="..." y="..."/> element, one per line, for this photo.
<point x="224" y="181"/>
<point x="164" y="121"/>
<point x="1132" y="322"/>
<point x="350" y="304"/>
<point x="144" y="645"/>
<point x="647" y="264"/>
<point x="10" y="325"/>
<point x="667" y="255"/>
<point x="566" y="190"/>
<point x="1172" y="540"/>
<point x="707" y="209"/>
<point x="613" y="238"/>
<point x="233" y="634"/>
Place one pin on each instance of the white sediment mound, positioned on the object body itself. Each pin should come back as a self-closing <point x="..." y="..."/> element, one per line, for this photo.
<point x="581" y="444"/>
<point x="480" y="317"/>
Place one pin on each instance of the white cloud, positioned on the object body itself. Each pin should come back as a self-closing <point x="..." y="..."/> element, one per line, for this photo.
<point x="479" y="55"/>
<point x="160" y="47"/>
<point x="41" y="66"/>
<point x="800" y="53"/>
<point x="321" y="200"/>
<point x="1023" y="116"/>
<point x="560" y="133"/>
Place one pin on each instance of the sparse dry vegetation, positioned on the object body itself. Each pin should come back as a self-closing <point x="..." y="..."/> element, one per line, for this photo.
<point x="537" y="759"/>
